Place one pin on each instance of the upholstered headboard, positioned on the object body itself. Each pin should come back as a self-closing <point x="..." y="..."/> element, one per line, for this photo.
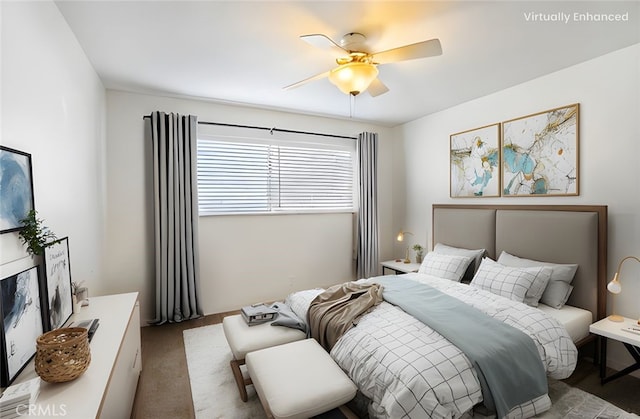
<point x="550" y="233"/>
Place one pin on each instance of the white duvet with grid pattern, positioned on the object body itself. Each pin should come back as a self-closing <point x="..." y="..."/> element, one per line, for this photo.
<point x="407" y="370"/>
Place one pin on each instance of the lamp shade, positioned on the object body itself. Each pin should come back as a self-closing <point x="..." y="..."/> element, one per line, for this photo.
<point x="401" y="234"/>
<point x="614" y="286"/>
<point x="353" y="78"/>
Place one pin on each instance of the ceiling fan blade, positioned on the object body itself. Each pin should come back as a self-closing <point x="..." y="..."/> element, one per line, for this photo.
<point x="319" y="40"/>
<point x="376" y="88"/>
<point x="307" y="80"/>
<point x="422" y="49"/>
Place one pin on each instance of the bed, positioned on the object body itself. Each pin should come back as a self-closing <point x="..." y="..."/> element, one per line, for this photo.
<point x="404" y="368"/>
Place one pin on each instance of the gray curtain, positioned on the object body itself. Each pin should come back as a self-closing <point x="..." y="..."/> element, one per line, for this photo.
<point x="174" y="142"/>
<point x="367" y="240"/>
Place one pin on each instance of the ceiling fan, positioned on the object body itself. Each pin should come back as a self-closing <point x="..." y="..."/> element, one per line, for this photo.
<point x="357" y="70"/>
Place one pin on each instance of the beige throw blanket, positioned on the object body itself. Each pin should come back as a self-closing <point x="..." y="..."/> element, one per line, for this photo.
<point x="338" y="309"/>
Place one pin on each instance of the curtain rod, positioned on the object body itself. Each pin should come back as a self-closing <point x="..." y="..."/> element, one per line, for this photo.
<point x="271" y="130"/>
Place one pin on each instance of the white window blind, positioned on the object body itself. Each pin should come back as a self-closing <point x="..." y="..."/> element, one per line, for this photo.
<point x="244" y="176"/>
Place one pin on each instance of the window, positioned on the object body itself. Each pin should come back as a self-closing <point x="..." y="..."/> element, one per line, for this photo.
<point x="243" y="175"/>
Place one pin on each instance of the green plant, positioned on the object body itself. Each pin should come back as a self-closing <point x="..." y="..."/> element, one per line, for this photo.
<point x="35" y="235"/>
<point x="418" y="249"/>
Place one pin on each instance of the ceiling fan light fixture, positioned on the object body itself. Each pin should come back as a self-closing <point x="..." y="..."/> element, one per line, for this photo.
<point x="353" y="78"/>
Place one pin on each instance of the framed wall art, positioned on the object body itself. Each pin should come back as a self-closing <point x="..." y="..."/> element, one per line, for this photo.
<point x="475" y="162"/>
<point x="16" y="188"/>
<point x="57" y="270"/>
<point x="21" y="322"/>
<point x="540" y="153"/>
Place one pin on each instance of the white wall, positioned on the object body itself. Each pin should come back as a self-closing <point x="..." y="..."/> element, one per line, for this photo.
<point x="53" y="107"/>
<point x="245" y="258"/>
<point x="608" y="90"/>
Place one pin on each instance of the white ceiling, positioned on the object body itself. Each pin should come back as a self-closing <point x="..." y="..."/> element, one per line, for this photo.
<point x="245" y="52"/>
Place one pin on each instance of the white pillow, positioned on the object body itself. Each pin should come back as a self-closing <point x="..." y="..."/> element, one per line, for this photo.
<point x="299" y="301"/>
<point x="445" y="266"/>
<point x="476" y="256"/>
<point x="558" y="288"/>
<point x="534" y="293"/>
<point x="509" y="282"/>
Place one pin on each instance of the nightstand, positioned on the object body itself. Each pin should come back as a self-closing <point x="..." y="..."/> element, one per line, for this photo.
<point x="606" y="329"/>
<point x="399" y="267"/>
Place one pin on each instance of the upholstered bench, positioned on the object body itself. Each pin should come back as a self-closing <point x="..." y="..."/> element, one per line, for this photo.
<point x="298" y="380"/>
<point x="243" y="339"/>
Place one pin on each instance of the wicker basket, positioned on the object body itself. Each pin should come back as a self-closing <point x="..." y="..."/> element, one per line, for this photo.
<point x="62" y="354"/>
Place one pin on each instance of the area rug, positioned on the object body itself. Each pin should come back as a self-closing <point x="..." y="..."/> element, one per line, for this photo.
<point x="215" y="395"/>
<point x="213" y="388"/>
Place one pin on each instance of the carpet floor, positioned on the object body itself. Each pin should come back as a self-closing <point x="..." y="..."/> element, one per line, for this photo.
<point x="215" y="394"/>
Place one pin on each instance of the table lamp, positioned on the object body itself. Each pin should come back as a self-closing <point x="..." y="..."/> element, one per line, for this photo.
<point x="400" y="238"/>
<point x="614" y="287"/>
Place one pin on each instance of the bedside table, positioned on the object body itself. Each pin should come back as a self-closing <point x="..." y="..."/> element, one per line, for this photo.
<point x="399" y="267"/>
<point x="606" y="329"/>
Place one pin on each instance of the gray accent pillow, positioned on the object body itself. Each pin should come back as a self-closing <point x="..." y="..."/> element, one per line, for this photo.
<point x="558" y="289"/>
<point x="476" y="254"/>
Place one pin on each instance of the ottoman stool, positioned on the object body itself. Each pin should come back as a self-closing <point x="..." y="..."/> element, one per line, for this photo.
<point x="298" y="380"/>
<point x="243" y="339"/>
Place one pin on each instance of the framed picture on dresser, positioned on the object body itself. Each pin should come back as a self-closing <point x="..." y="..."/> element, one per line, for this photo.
<point x="21" y="322"/>
<point x="57" y="266"/>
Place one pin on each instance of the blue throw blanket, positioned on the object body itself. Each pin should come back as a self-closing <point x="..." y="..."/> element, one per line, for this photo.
<point x="506" y="359"/>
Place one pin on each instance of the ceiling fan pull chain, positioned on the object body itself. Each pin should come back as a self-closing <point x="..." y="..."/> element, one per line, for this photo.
<point x="352" y="105"/>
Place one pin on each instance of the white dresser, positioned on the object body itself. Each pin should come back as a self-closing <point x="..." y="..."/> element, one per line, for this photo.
<point x="107" y="388"/>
